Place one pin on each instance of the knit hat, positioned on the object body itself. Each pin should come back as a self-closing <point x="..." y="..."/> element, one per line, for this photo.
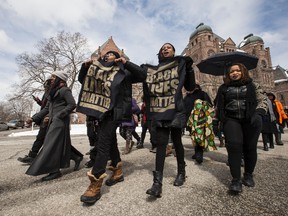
<point x="61" y="74"/>
<point x="117" y="55"/>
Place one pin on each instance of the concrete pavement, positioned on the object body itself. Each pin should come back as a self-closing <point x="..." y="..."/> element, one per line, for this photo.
<point x="204" y="192"/>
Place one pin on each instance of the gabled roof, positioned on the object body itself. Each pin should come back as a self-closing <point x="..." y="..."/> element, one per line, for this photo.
<point x="109" y="45"/>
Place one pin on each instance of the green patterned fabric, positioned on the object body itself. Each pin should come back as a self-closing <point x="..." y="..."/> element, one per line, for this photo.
<point x="200" y="120"/>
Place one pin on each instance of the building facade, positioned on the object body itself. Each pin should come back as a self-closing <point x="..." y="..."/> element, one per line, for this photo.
<point x="203" y="42"/>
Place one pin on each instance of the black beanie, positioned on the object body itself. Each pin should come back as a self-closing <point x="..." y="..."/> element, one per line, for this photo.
<point x="114" y="52"/>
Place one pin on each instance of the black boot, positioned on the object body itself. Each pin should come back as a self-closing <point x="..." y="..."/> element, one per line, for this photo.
<point x="198" y="154"/>
<point x="28" y="159"/>
<point x="235" y="186"/>
<point x="278" y="139"/>
<point x="181" y="175"/>
<point x="265" y="147"/>
<point x="248" y="180"/>
<point x="156" y="189"/>
<point x="77" y="159"/>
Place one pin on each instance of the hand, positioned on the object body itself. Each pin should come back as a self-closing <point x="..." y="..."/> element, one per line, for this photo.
<point x="189" y="61"/>
<point x="88" y="62"/>
<point x="29" y="121"/>
<point x="46" y="120"/>
<point x="121" y="59"/>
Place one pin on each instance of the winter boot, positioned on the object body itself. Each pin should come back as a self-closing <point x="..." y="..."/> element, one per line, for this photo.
<point x="181" y="175"/>
<point x="248" y="180"/>
<point x="271" y="145"/>
<point x="198" y="154"/>
<point x="235" y="186"/>
<point x="265" y="147"/>
<point x="156" y="189"/>
<point x="117" y="175"/>
<point x="93" y="192"/>
<point x="278" y="139"/>
<point x="168" y="150"/>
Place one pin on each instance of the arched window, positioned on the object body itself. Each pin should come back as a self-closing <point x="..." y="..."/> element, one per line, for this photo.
<point x="263" y="64"/>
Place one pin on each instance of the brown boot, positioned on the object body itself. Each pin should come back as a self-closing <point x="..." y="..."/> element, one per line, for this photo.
<point x="168" y="150"/>
<point x="117" y="175"/>
<point x="93" y="192"/>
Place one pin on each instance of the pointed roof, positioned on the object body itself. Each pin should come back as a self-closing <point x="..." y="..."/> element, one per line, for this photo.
<point x="109" y="45"/>
<point x="280" y="74"/>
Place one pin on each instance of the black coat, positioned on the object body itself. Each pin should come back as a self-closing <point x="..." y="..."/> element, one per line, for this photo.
<point x="56" y="150"/>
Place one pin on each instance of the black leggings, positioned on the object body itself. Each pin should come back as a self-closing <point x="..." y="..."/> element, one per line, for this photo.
<point x="162" y="141"/>
<point x="241" y="137"/>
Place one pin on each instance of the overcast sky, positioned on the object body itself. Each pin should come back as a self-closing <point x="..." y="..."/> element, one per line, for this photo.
<point x="140" y="27"/>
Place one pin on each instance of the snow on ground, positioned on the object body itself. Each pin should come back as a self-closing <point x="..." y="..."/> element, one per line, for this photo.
<point x="76" y="129"/>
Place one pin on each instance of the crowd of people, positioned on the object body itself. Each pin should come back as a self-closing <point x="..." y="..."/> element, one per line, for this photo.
<point x="241" y="111"/>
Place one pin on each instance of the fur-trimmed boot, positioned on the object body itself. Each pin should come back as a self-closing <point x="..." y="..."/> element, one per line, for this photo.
<point x="93" y="192"/>
<point x="117" y="175"/>
<point x="156" y="189"/>
<point x="181" y="175"/>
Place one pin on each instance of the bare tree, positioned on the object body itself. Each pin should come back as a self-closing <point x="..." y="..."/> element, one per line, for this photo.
<point x="66" y="52"/>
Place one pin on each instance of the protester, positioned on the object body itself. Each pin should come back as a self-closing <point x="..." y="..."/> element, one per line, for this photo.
<point x="165" y="108"/>
<point x="268" y="127"/>
<point x="106" y="94"/>
<point x="57" y="149"/>
<point x="200" y="141"/>
<point x="42" y="127"/>
<point x="200" y="121"/>
<point x="280" y="116"/>
<point x="127" y="127"/>
<point x="240" y="104"/>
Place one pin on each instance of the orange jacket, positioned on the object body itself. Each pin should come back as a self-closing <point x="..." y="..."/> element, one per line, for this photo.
<point x="280" y="110"/>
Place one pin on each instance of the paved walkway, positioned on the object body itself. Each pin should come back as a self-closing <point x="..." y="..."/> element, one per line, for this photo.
<point x="204" y="192"/>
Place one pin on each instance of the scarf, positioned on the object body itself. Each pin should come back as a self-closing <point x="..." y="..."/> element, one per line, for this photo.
<point x="271" y="112"/>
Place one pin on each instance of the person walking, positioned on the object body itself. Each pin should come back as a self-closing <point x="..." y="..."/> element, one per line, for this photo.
<point x="165" y="108"/>
<point x="199" y="138"/>
<point x="280" y="115"/>
<point x="240" y="104"/>
<point x="106" y="94"/>
<point x="28" y="159"/>
<point x="57" y="150"/>
<point x="127" y="127"/>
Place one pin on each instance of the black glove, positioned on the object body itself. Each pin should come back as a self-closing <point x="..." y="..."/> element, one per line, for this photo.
<point x="189" y="62"/>
<point x="256" y="116"/>
<point x="216" y="129"/>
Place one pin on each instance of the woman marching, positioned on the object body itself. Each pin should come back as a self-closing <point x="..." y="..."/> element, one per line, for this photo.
<point x="165" y="108"/>
<point x="239" y="106"/>
<point x="57" y="150"/>
<point x="106" y="94"/>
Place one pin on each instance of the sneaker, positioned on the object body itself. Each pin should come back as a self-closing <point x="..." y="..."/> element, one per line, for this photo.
<point x="248" y="180"/>
<point x="26" y="159"/>
<point x="235" y="186"/>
